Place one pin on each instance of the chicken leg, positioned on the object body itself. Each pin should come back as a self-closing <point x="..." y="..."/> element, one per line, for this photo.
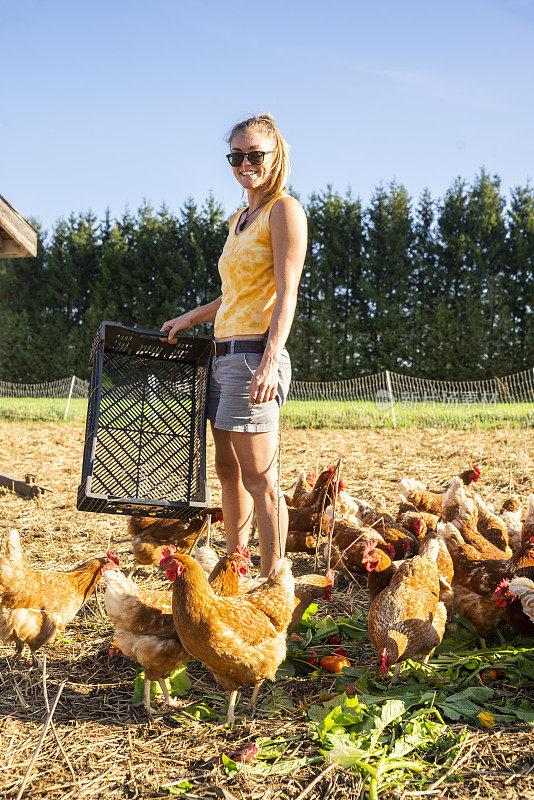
<point x="172" y="702"/>
<point x="254" y="698"/>
<point x="230" y="717"/>
<point x="395" y="677"/>
<point x="146" y="699"/>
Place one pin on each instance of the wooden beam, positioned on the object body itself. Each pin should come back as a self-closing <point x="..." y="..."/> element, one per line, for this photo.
<point x="27" y="487"/>
<point x="9" y="248"/>
<point x="18" y="238"/>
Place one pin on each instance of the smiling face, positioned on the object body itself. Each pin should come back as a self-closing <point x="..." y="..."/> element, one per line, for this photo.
<point x="249" y="175"/>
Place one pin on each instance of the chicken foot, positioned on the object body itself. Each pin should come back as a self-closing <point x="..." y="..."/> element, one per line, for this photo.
<point x="19" y="653"/>
<point x="230" y="717"/>
<point x="171" y="701"/>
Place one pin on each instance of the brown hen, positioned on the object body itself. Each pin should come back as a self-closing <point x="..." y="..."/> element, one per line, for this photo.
<point x="241" y="640"/>
<point x="527" y="529"/>
<point x="150" y="536"/>
<point x="35" y="605"/>
<point x="431" y="500"/>
<point x="407" y="619"/>
<point x="144" y="625"/>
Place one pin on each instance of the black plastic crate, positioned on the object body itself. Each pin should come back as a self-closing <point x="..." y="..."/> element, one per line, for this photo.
<point x="145" y="437"/>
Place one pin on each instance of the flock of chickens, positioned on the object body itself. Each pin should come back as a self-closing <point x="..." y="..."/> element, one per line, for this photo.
<point x="445" y="552"/>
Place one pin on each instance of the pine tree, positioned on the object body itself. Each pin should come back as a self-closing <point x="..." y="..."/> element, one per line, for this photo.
<point x="329" y="301"/>
<point x="72" y="270"/>
<point x="24" y="349"/>
<point x="457" y="329"/>
<point x="387" y="279"/>
<point x="517" y="285"/>
<point x="425" y="283"/>
<point x="486" y="234"/>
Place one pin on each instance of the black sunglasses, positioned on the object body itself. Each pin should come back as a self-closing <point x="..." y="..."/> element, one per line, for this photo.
<point x="255" y="157"/>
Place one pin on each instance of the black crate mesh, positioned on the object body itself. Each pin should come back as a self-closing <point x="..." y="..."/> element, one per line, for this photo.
<point x="146" y="429"/>
<point x="145" y="448"/>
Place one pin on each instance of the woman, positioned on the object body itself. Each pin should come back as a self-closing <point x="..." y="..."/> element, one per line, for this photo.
<point x="260" y="269"/>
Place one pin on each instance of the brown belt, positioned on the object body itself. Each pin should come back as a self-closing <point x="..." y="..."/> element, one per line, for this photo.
<point x="239" y="346"/>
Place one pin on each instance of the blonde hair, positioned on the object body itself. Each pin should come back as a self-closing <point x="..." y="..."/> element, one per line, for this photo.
<point x="279" y="174"/>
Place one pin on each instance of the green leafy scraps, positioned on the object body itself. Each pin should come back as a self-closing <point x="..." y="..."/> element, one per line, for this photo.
<point x="376" y="741"/>
<point x="276" y="703"/>
<point x="283" y="767"/>
<point x="269" y="760"/>
<point x="179" y="788"/>
<point x="178" y="684"/>
<point x="196" y="711"/>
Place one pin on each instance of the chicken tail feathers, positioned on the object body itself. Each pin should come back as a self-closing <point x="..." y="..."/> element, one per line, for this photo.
<point x="409" y="485"/>
<point x="13" y="543"/>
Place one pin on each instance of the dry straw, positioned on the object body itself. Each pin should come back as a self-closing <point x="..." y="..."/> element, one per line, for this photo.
<point x="99" y="745"/>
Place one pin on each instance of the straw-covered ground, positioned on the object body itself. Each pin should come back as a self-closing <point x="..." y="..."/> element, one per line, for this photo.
<point x="102" y="745"/>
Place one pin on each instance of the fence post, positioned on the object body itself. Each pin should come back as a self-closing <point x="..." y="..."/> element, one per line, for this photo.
<point x="388" y="380"/>
<point x="70" y="395"/>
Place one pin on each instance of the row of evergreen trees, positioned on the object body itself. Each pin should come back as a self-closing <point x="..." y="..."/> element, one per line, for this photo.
<point x="439" y="289"/>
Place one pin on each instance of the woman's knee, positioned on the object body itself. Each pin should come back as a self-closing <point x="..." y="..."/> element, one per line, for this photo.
<point x="261" y="484"/>
<point x="227" y="468"/>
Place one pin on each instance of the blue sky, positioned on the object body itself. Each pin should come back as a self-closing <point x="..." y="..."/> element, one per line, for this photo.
<point x="107" y="103"/>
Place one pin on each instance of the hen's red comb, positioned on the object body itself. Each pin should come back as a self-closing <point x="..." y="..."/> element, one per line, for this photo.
<point x="502" y="593"/>
<point x="478" y="472"/>
<point x="167" y="552"/>
<point x="112" y="557"/>
<point x="243" y="551"/>
<point x="369" y="547"/>
<point x="340" y="485"/>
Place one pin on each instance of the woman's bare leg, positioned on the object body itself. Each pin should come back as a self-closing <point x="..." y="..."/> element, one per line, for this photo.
<point x="236" y="501"/>
<point x="257" y="457"/>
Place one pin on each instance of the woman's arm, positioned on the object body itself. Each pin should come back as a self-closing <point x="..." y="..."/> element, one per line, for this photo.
<point x="197" y="316"/>
<point x="289" y="237"/>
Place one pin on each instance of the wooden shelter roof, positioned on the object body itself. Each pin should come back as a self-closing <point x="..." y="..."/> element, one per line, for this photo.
<point x="18" y="239"/>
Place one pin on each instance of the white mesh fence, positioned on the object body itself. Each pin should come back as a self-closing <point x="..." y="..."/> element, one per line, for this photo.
<point x="50" y="400"/>
<point x="390" y="399"/>
<point x="384" y="399"/>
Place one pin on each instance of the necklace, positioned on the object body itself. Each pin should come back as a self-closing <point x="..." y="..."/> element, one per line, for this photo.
<point x="247" y="215"/>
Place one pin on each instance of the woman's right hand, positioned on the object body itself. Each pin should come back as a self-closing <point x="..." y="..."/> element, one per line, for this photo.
<point x="173" y="326"/>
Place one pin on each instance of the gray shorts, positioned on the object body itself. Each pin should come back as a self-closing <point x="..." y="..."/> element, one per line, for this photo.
<point x="229" y="407"/>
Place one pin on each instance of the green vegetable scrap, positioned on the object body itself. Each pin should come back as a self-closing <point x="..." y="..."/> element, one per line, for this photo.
<point x="179" y="788"/>
<point x="376" y="740"/>
<point x="277" y="703"/>
<point x="269" y="760"/>
<point x="178" y="684"/>
<point x="196" y="711"/>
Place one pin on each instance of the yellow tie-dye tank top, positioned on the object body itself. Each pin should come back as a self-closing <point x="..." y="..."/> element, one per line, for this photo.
<point x="247" y="274"/>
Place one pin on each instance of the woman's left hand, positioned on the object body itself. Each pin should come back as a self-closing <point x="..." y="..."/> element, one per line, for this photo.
<point x="264" y="382"/>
